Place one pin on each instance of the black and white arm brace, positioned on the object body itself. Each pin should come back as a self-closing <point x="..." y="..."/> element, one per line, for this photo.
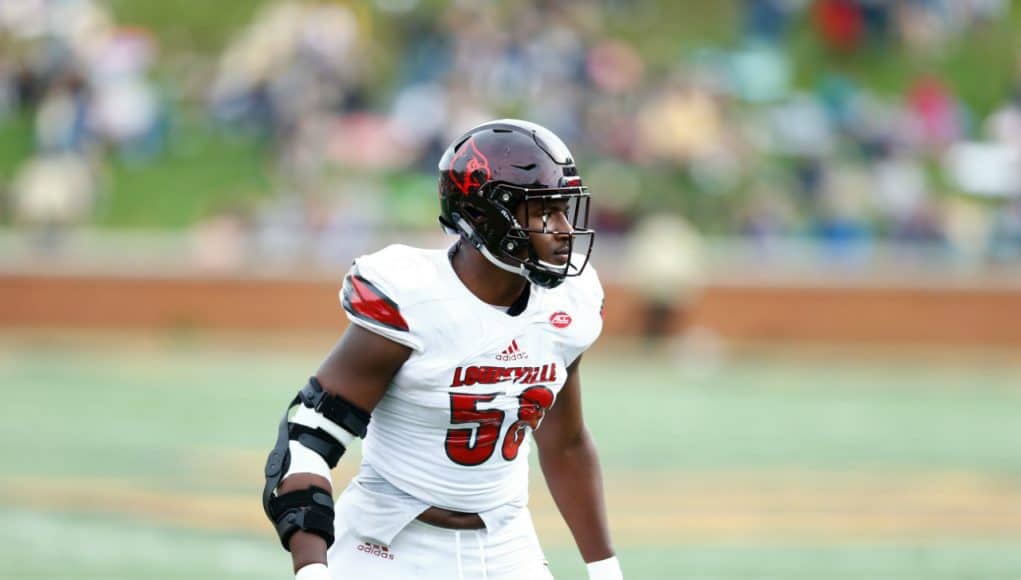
<point x="310" y="441"/>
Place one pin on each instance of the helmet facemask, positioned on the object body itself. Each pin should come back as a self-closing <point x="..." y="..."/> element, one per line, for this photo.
<point x="493" y="223"/>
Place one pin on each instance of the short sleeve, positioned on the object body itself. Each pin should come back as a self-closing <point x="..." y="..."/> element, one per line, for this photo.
<point x="586" y="299"/>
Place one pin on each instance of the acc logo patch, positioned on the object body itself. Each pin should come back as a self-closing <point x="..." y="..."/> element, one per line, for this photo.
<point x="560" y="319"/>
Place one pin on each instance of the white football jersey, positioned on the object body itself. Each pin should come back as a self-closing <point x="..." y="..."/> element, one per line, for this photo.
<point x="453" y="428"/>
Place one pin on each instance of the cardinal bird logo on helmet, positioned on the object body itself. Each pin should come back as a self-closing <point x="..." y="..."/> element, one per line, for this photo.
<point x="476" y="169"/>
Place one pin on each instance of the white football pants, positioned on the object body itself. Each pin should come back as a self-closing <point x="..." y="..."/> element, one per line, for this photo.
<point x="425" y="552"/>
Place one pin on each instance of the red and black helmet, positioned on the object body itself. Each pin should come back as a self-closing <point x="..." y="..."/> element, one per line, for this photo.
<point x="485" y="176"/>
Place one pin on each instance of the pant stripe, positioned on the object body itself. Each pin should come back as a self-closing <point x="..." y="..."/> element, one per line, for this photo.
<point x="482" y="553"/>
<point x="457" y="545"/>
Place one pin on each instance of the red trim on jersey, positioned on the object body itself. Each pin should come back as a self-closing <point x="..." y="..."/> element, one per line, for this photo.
<point x="367" y="301"/>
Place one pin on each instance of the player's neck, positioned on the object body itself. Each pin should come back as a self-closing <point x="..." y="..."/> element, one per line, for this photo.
<point x="489" y="283"/>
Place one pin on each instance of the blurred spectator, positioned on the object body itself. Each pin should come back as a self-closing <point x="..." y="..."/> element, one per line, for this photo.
<point x="665" y="266"/>
<point x="840" y="23"/>
<point x="53" y="191"/>
<point x="125" y="108"/>
<point x="969" y="231"/>
<point x="219" y="242"/>
<point x="766" y="216"/>
<point x="800" y="127"/>
<point x="8" y="93"/>
<point x="615" y="67"/>
<point x="986" y="169"/>
<point x="85" y="81"/>
<point x="759" y="74"/>
<point x="295" y="59"/>
<point x="1004" y="125"/>
<point x="61" y="120"/>
<point x="1005" y="241"/>
<point x="678" y="124"/>
<point x="936" y="112"/>
<point x="899" y="187"/>
<point x="842" y="224"/>
<point x="877" y="17"/>
<point x="765" y="20"/>
<point x="618" y="188"/>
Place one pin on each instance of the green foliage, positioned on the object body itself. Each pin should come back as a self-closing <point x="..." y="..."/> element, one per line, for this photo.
<point x="203" y="171"/>
<point x="15" y="143"/>
<point x="197" y="25"/>
<point x="980" y="65"/>
<point x="665" y="32"/>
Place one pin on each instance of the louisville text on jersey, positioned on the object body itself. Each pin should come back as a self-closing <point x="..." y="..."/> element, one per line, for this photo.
<point x="489" y="375"/>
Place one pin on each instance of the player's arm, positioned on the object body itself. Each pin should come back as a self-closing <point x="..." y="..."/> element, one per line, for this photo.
<point x="570" y="464"/>
<point x="345" y="390"/>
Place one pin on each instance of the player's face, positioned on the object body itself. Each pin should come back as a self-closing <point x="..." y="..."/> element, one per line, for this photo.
<point x="549" y="223"/>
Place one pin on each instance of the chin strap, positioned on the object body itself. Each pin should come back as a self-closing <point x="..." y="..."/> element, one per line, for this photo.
<point x="539" y="277"/>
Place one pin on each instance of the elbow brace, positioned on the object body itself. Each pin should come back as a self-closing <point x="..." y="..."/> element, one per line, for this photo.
<point x="325" y="425"/>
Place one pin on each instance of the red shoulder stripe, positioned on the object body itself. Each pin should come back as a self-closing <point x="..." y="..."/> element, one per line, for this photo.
<point x="366" y="301"/>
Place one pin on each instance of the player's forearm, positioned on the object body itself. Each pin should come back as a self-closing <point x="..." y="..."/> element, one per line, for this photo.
<point x="306" y="548"/>
<point x="575" y="481"/>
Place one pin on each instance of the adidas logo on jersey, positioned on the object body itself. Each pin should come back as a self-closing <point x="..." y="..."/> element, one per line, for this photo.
<point x="376" y="550"/>
<point x="512" y="352"/>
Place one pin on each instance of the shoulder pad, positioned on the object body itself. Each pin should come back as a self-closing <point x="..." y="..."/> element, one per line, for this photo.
<point x="583" y="293"/>
<point x="581" y="299"/>
<point x="381" y="292"/>
<point x="362" y="299"/>
<point x="586" y="288"/>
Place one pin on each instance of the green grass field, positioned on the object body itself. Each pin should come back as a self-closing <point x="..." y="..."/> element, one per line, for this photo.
<point x="139" y="456"/>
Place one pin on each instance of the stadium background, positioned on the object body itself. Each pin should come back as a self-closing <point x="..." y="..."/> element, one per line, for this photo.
<point x="810" y="232"/>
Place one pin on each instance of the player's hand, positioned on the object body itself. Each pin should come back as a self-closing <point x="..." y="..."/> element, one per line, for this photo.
<point x="313" y="572"/>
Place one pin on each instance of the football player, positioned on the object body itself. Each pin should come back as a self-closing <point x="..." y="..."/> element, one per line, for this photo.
<point x="452" y="359"/>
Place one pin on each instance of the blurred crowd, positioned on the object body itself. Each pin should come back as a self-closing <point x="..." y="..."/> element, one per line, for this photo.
<point x="85" y="81"/>
<point x="730" y="137"/>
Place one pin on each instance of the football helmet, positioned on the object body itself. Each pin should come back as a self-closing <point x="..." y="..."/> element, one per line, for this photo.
<point x="488" y="173"/>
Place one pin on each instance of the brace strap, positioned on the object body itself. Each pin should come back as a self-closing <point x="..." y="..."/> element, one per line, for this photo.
<point x="310" y="509"/>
